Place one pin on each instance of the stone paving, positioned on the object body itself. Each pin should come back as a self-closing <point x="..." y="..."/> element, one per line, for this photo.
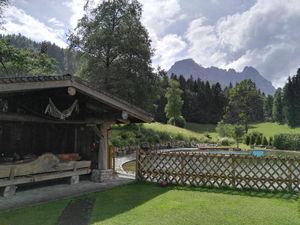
<point x="46" y="193"/>
<point x="119" y="161"/>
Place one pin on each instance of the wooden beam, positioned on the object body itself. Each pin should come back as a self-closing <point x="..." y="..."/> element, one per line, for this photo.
<point x="15" y="117"/>
<point x="30" y="86"/>
<point x="113" y="102"/>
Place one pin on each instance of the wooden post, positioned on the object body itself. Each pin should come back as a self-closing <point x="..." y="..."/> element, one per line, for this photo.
<point x="233" y="181"/>
<point x="290" y="178"/>
<point x="114" y="159"/>
<point x="137" y="168"/>
<point x="103" y="147"/>
<point x="182" y="167"/>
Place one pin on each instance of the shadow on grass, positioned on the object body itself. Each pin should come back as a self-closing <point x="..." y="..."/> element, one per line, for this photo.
<point x="113" y="202"/>
<point x="201" y="128"/>
<point x="122" y="199"/>
<point x="244" y="192"/>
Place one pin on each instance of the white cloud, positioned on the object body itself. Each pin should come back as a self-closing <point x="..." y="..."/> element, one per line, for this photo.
<point x="77" y="9"/>
<point x="158" y="15"/>
<point x="168" y="48"/>
<point x="18" y="21"/>
<point x="266" y="36"/>
<point x="55" y="22"/>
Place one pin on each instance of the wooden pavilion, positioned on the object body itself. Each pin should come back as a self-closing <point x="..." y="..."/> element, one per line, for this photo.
<point x="63" y="115"/>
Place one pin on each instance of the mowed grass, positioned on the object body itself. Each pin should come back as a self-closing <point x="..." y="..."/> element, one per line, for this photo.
<point x="44" y="214"/>
<point x="270" y="129"/>
<point x="141" y="203"/>
<point x="187" y="133"/>
<point x="194" y="129"/>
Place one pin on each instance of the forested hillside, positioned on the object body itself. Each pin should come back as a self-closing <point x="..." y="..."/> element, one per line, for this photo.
<point x="66" y="60"/>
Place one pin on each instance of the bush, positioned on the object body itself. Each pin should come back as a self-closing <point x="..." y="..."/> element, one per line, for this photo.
<point x="287" y="141"/>
<point x="224" y="129"/>
<point x="128" y="134"/>
<point x="207" y="135"/>
<point x="247" y="140"/>
<point x="271" y="141"/>
<point x="265" y="141"/>
<point x="258" y="140"/>
<point x="253" y="138"/>
<point x="164" y="136"/>
<point x="178" y="121"/>
<point x="179" y="137"/>
<point x="225" y="141"/>
<point x="118" y="142"/>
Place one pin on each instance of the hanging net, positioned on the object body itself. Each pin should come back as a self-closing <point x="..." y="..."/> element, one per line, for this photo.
<point x="52" y="110"/>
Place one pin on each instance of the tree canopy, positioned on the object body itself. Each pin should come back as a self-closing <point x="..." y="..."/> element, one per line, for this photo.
<point x="245" y="104"/>
<point x="15" y="61"/>
<point x="174" y="102"/>
<point x="116" y="52"/>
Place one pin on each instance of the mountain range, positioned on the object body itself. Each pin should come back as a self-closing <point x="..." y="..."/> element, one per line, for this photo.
<point x="188" y="68"/>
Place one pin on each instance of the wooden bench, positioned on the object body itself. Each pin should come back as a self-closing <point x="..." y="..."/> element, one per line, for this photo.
<point x="45" y="167"/>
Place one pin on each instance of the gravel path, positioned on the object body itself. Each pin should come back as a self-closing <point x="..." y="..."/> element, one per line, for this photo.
<point x="119" y="161"/>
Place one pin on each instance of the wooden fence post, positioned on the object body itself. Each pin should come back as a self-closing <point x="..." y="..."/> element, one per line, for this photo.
<point x="290" y="184"/>
<point x="182" y="167"/>
<point x="233" y="182"/>
<point x="137" y="167"/>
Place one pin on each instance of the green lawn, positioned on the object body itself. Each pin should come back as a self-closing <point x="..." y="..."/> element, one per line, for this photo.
<point x="140" y="203"/>
<point x="270" y="129"/>
<point x="173" y="130"/>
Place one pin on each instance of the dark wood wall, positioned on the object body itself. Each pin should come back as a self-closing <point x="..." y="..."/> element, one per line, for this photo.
<point x="34" y="138"/>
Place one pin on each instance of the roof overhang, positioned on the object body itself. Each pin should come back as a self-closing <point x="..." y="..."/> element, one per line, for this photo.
<point x="23" y="84"/>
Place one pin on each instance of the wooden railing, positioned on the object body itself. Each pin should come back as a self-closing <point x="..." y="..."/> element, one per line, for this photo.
<point x="213" y="170"/>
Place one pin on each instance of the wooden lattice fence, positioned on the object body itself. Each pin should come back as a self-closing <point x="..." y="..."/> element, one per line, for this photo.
<point x="212" y="170"/>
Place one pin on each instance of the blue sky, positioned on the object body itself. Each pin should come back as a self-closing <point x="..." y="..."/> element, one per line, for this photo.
<point x="224" y="33"/>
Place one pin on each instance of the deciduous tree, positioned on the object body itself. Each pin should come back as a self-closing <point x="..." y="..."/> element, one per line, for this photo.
<point x="116" y="52"/>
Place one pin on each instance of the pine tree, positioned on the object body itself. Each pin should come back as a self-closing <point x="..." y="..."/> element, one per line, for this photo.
<point x="277" y="109"/>
<point x="268" y="104"/>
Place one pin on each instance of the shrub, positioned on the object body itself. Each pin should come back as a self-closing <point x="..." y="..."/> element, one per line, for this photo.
<point x="117" y="142"/>
<point x="164" y="136"/>
<point x="271" y="141"/>
<point x="287" y="141"/>
<point x="207" y="135"/>
<point x="247" y="140"/>
<point x="127" y="134"/>
<point x="178" y="121"/>
<point x="224" y="129"/>
<point x="225" y="141"/>
<point x="179" y="137"/>
<point x="253" y="138"/>
<point x="258" y="140"/>
<point x="265" y="141"/>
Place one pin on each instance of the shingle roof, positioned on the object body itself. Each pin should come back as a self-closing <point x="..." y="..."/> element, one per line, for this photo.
<point x="75" y="80"/>
<point x="24" y="79"/>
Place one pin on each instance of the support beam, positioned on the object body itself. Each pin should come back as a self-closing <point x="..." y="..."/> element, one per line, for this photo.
<point x="15" y="117"/>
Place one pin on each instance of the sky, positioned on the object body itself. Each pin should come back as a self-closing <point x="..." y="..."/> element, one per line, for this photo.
<point x="264" y="34"/>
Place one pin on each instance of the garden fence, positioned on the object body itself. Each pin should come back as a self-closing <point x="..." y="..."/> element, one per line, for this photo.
<point x="216" y="170"/>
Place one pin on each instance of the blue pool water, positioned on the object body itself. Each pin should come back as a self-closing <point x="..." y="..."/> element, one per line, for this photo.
<point x="228" y="152"/>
